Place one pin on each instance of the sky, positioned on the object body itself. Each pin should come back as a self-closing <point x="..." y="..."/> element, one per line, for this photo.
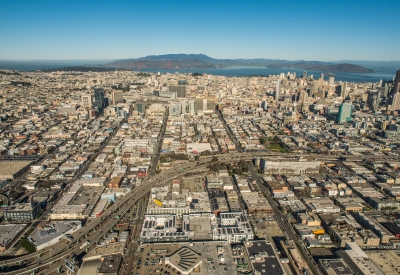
<point x="292" y="30"/>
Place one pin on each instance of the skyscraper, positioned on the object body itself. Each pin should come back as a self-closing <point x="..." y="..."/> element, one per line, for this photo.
<point x="394" y="97"/>
<point x="100" y="101"/>
<point x="305" y="75"/>
<point x="117" y="97"/>
<point x="278" y="90"/>
<point x="87" y="101"/>
<point x="345" y="113"/>
<point x="343" y="91"/>
<point x="99" y="94"/>
<point x="373" y="100"/>
<point x="331" y="80"/>
<point x="175" y="109"/>
<point x="140" y="107"/>
<point x="397" y="82"/>
<point x="192" y="107"/>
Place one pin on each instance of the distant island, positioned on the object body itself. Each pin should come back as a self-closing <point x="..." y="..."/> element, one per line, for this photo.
<point x="201" y="61"/>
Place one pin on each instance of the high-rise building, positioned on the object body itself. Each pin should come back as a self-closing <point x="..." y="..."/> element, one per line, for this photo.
<point x="396" y="86"/>
<point x="117" y="97"/>
<point x="321" y="80"/>
<point x="87" y="101"/>
<point x="99" y="94"/>
<point x="192" y="107"/>
<point x="100" y="101"/>
<point x="331" y="80"/>
<point x="302" y="97"/>
<point x="345" y="113"/>
<point x="185" y="106"/>
<point x="395" y="102"/>
<point x="179" y="90"/>
<point x="199" y="104"/>
<point x="373" y="100"/>
<point x="343" y="91"/>
<point x="305" y="75"/>
<point x="140" y="107"/>
<point x="175" y="109"/>
<point x="395" y="94"/>
<point x="278" y="90"/>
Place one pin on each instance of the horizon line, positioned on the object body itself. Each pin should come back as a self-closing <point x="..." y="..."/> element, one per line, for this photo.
<point x="126" y="58"/>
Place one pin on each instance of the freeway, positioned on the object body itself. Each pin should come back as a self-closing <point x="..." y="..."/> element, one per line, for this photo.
<point x="80" y="237"/>
<point x="20" y="260"/>
<point x="43" y="256"/>
<point x="59" y="251"/>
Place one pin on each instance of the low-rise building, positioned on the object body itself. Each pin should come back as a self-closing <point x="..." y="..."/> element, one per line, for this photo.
<point x="22" y="212"/>
<point x="47" y="234"/>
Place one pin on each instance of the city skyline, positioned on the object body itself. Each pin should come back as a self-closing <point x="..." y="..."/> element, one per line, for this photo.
<point x="119" y="30"/>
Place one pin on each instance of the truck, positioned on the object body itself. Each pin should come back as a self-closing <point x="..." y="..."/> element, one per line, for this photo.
<point x="84" y="244"/>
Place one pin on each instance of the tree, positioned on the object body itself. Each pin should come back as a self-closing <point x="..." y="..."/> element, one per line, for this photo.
<point x="263" y="140"/>
<point x="214" y="159"/>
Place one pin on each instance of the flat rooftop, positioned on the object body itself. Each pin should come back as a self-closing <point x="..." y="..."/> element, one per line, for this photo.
<point x="266" y="259"/>
<point x="89" y="196"/>
<point x="9" y="232"/>
<point x="386" y="260"/>
<point x="46" y="232"/>
<point x="110" y="264"/>
<point x="8" y="168"/>
<point x="207" y="251"/>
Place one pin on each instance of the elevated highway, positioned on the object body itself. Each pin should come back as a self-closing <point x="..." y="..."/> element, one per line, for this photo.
<point x="49" y="259"/>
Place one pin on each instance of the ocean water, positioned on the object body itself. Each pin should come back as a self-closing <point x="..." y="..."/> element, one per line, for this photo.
<point x="33" y="65"/>
<point x="385" y="71"/>
<point x="379" y="73"/>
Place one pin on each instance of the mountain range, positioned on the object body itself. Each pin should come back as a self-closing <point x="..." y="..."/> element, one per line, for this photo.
<point x="202" y="61"/>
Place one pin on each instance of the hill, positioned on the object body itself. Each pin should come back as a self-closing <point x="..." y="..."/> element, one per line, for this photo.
<point x="202" y="61"/>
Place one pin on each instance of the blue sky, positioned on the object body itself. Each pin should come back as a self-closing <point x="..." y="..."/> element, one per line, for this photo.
<point x="293" y="30"/>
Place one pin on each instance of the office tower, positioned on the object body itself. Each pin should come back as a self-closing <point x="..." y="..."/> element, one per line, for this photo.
<point x="278" y="90"/>
<point x="345" y="113"/>
<point x="373" y="100"/>
<point x="185" y="105"/>
<point x="87" y="101"/>
<point x="117" y="97"/>
<point x="179" y="90"/>
<point x="204" y="104"/>
<point x="395" y="102"/>
<point x="305" y="75"/>
<point x="264" y="105"/>
<point x="140" y="107"/>
<point x="331" y="80"/>
<point x="98" y="94"/>
<point x="211" y="105"/>
<point x="321" y="80"/>
<point x="175" y="109"/>
<point x="395" y="94"/>
<point x="199" y="104"/>
<point x="192" y="107"/>
<point x="302" y="97"/>
<point x="397" y="82"/>
<point x="100" y="101"/>
<point x="343" y="91"/>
